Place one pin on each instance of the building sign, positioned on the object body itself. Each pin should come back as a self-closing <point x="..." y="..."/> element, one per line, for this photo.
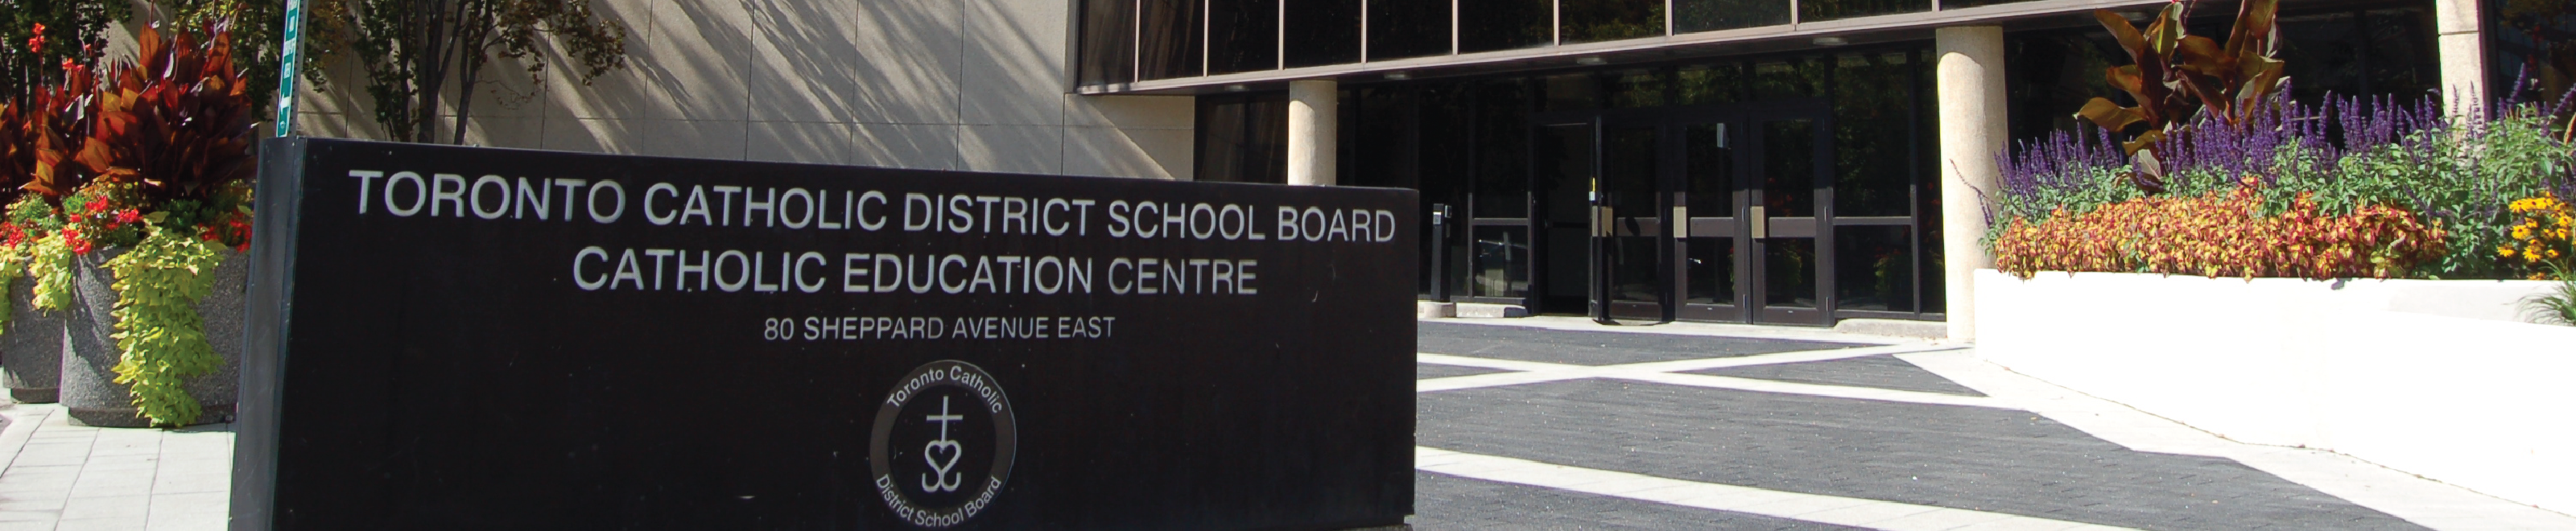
<point x="467" y="338"/>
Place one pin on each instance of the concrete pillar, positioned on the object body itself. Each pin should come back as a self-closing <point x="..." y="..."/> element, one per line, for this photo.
<point x="2464" y="57"/>
<point x="1312" y="118"/>
<point x="1971" y="80"/>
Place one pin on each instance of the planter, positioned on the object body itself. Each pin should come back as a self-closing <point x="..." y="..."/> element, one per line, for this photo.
<point x="2435" y="378"/>
<point x="89" y="388"/>
<point x="31" y="352"/>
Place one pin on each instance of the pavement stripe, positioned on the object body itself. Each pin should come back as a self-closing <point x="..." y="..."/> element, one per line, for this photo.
<point x="1836" y="510"/>
<point x="1530" y="372"/>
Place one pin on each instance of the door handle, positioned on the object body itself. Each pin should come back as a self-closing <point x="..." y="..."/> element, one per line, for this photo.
<point x="1761" y="223"/>
<point x="1681" y="222"/>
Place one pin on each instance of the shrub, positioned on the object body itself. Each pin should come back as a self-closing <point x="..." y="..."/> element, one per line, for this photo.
<point x="2221" y="234"/>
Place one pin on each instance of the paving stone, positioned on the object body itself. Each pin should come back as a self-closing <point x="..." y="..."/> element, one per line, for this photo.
<point x="1593" y="348"/>
<point x="1442" y="502"/>
<point x="1883" y="372"/>
<point x="1426" y="371"/>
<point x="1971" y="458"/>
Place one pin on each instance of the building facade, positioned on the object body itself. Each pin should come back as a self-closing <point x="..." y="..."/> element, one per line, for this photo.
<point x="1763" y="161"/>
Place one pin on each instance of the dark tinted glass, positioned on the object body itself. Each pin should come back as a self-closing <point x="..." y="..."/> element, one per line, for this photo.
<point x="1243" y="139"/>
<point x="2535" y="41"/>
<point x="1407" y="28"/>
<point x="1955" y="4"/>
<point x="2403" y="58"/>
<point x="2323" y="52"/>
<point x="1712" y="271"/>
<point x="1170" y="43"/>
<point x="1108" y="41"/>
<point x="1874" y="269"/>
<point x="1927" y="191"/>
<point x="1789" y="168"/>
<point x="1789" y="272"/>
<point x="1708" y="169"/>
<point x="1711" y="84"/>
<point x="1323" y="32"/>
<point x="1382" y="137"/>
<point x="1802" y="77"/>
<point x="2049" y="71"/>
<point x="1873" y="118"/>
<point x="1243" y="35"/>
<point x="1502" y="262"/>
<point x="1610" y="20"/>
<point x="1815" y="10"/>
<point x="1631" y="89"/>
<point x="1570" y="92"/>
<point x="1502" y="149"/>
<point x="1487" y="25"/>
<point x="1711" y="15"/>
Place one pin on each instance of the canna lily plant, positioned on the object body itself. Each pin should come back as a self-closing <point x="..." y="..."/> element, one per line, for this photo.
<point x="2174" y="75"/>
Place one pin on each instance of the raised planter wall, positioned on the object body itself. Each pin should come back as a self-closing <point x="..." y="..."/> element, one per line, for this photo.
<point x="2436" y="378"/>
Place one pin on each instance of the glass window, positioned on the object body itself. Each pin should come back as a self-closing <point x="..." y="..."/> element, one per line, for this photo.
<point x="1610" y="20"/>
<point x="1382" y="137"/>
<point x="1927" y="194"/>
<point x="1789" y="168"/>
<point x="1323" y="32"/>
<point x="1711" y="15"/>
<point x="1815" y="10"/>
<point x="1502" y="262"/>
<point x="1711" y="84"/>
<point x="1488" y="25"/>
<point x="1502" y="149"/>
<point x="2323" y="53"/>
<point x="2402" y="57"/>
<point x="1630" y="89"/>
<point x="1712" y="271"/>
<point x="1873" y="115"/>
<point x="2046" y="72"/>
<point x="1108" y="39"/>
<point x="1243" y="35"/>
<point x="2535" y="41"/>
<point x="1170" y="44"/>
<point x="1407" y="28"/>
<point x="1708" y="167"/>
<point x="1874" y="268"/>
<point x="1955" y="4"/>
<point x="1802" y="77"/>
<point x="1570" y="92"/>
<point x="1243" y="139"/>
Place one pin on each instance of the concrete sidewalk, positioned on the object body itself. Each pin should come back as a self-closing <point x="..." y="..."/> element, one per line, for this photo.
<point x="57" y="476"/>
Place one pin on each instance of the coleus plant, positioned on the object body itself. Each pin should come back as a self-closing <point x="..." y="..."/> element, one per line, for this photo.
<point x="2172" y="75"/>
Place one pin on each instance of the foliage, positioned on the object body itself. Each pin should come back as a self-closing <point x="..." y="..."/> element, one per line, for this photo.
<point x="2345" y="155"/>
<point x="2541" y="241"/>
<point x="257" y="44"/>
<point x="2221" y="234"/>
<point x="158" y="284"/>
<point x="61" y="119"/>
<point x="2558" y="305"/>
<point x="32" y="238"/>
<point x="412" y="48"/>
<point x="38" y="37"/>
<point x="2172" y="73"/>
<point x="178" y="126"/>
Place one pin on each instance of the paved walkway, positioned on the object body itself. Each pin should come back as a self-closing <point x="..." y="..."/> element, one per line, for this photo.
<point x="57" y="476"/>
<point x="1551" y="423"/>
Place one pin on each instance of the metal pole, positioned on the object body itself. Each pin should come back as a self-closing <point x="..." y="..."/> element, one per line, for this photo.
<point x="287" y="61"/>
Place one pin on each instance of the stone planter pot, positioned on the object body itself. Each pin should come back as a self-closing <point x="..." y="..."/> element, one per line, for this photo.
<point x="31" y="352"/>
<point x="89" y="388"/>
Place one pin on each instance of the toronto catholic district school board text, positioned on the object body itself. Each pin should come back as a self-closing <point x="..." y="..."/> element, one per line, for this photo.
<point x="406" y="194"/>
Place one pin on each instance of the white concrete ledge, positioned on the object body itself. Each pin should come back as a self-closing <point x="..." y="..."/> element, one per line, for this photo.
<point x="2434" y="378"/>
<point x="1491" y="311"/>
<point x="1434" y="310"/>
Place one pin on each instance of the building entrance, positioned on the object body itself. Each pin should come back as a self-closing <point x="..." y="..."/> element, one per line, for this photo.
<point x="1701" y="214"/>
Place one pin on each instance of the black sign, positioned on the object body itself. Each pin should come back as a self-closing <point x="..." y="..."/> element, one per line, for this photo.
<point x="465" y="338"/>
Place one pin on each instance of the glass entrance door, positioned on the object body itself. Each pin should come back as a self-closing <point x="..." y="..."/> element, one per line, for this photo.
<point x="1712" y="214"/>
<point x="1787" y="266"/>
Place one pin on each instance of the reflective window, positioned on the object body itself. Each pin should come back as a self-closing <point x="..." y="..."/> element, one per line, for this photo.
<point x="1874" y="268"/>
<point x="1782" y="79"/>
<point x="1711" y="84"/>
<point x="1243" y="139"/>
<point x="1108" y="35"/>
<point x="1502" y="262"/>
<point x="1711" y="15"/>
<point x="1712" y="271"/>
<point x="1243" y="35"/>
<point x="1488" y="25"/>
<point x="1170" y="44"/>
<point x="1873" y="115"/>
<point x="1502" y="149"/>
<point x="1815" y="10"/>
<point x="2535" y="41"/>
<point x="1610" y="20"/>
<point x="1323" y="32"/>
<point x="1407" y="28"/>
<point x="1630" y="89"/>
<point x="1570" y="92"/>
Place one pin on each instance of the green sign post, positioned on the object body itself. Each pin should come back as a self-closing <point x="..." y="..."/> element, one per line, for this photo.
<point x="287" y="61"/>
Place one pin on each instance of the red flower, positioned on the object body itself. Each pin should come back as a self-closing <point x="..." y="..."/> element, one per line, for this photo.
<point x="40" y="29"/>
<point x="128" y="216"/>
<point x="36" y="44"/>
<point x="96" y="206"/>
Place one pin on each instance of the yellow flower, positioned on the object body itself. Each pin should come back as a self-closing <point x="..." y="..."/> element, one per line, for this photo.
<point x="2522" y="232"/>
<point x="2504" y="251"/>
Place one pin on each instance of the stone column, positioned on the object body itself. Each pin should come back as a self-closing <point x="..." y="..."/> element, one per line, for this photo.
<point x="1971" y="80"/>
<point x="2464" y="57"/>
<point x="1311" y="127"/>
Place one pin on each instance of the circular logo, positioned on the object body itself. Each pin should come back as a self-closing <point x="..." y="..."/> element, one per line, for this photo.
<point x="943" y="444"/>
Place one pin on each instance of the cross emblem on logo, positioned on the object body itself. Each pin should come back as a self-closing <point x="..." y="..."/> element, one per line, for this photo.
<point x="941" y="478"/>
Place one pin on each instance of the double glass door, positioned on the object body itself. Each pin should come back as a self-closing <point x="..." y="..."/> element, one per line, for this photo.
<point x="1710" y="214"/>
